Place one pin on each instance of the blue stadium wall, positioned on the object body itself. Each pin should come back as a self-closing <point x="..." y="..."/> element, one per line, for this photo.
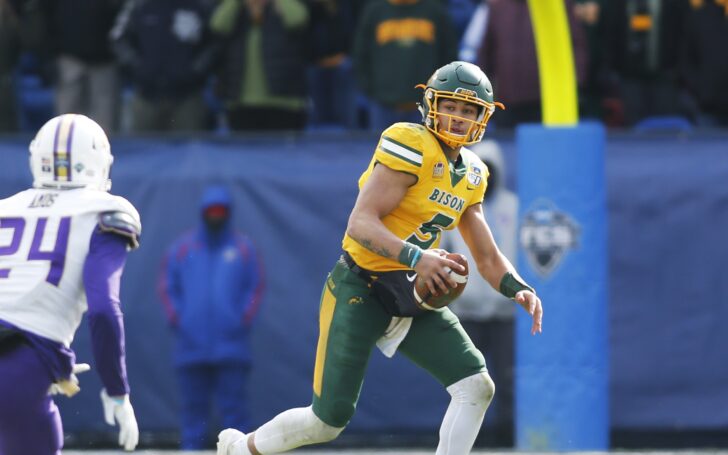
<point x="668" y="296"/>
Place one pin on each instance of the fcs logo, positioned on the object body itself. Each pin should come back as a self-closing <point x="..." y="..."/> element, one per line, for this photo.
<point x="546" y="234"/>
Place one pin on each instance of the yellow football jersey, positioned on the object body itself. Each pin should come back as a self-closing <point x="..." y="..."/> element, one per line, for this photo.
<point x="433" y="204"/>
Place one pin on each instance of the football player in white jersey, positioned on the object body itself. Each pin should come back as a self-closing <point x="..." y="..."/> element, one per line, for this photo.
<point x="63" y="246"/>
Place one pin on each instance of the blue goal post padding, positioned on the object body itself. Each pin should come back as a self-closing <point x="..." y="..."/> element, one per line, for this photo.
<point x="562" y="374"/>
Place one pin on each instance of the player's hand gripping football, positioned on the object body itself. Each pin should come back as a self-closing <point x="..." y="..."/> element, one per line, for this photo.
<point x="119" y="409"/>
<point x="434" y="268"/>
<point x="531" y="303"/>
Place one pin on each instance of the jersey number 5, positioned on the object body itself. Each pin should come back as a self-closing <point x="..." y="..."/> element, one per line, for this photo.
<point x="57" y="256"/>
<point x="428" y="232"/>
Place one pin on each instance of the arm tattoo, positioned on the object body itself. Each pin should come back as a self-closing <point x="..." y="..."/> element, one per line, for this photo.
<point x="366" y="243"/>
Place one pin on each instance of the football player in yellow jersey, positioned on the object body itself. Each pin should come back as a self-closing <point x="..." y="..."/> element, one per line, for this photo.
<point x="420" y="181"/>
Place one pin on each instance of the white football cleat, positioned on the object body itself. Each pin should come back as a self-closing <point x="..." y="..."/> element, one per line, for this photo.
<point x="231" y="442"/>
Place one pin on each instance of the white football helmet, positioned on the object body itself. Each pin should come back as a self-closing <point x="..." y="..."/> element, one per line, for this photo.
<point x="71" y="151"/>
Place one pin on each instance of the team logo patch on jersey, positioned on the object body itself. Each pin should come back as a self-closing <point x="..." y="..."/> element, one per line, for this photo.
<point x="356" y="300"/>
<point x="45" y="164"/>
<point x="547" y="234"/>
<point x="439" y="170"/>
<point x="474" y="176"/>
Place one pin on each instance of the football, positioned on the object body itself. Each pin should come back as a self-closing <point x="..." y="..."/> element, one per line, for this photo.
<point x="428" y="301"/>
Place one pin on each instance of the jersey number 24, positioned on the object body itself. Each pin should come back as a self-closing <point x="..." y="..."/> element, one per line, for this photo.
<point x="57" y="256"/>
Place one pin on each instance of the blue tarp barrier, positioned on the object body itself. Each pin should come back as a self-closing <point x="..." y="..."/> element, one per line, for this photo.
<point x="668" y="208"/>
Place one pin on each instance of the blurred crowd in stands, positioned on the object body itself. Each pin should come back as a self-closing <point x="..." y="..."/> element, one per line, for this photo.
<point x="239" y="65"/>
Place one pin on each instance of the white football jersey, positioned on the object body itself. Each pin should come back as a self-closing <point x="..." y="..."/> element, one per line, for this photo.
<point x="44" y="241"/>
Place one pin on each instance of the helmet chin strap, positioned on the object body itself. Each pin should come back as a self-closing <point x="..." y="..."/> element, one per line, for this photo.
<point x="454" y="140"/>
<point x="446" y="137"/>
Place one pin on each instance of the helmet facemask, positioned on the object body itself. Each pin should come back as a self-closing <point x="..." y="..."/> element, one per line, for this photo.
<point x="433" y="119"/>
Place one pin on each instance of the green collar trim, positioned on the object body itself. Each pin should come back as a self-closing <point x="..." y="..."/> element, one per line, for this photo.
<point x="458" y="169"/>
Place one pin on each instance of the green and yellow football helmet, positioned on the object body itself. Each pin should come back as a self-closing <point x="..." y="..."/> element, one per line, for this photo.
<point x="460" y="81"/>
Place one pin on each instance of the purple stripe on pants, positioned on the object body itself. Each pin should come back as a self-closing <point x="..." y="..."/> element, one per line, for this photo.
<point x="30" y="423"/>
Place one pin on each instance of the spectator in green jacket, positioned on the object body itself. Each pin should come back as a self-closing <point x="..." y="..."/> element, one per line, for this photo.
<point x="262" y="81"/>
<point x="396" y="45"/>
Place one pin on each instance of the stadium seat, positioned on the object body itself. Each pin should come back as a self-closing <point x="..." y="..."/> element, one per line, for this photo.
<point x="35" y="97"/>
<point x="664" y="123"/>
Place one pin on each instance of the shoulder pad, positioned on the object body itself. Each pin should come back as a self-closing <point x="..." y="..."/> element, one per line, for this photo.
<point x="410" y="134"/>
<point x="400" y="148"/>
<point x="123" y="224"/>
